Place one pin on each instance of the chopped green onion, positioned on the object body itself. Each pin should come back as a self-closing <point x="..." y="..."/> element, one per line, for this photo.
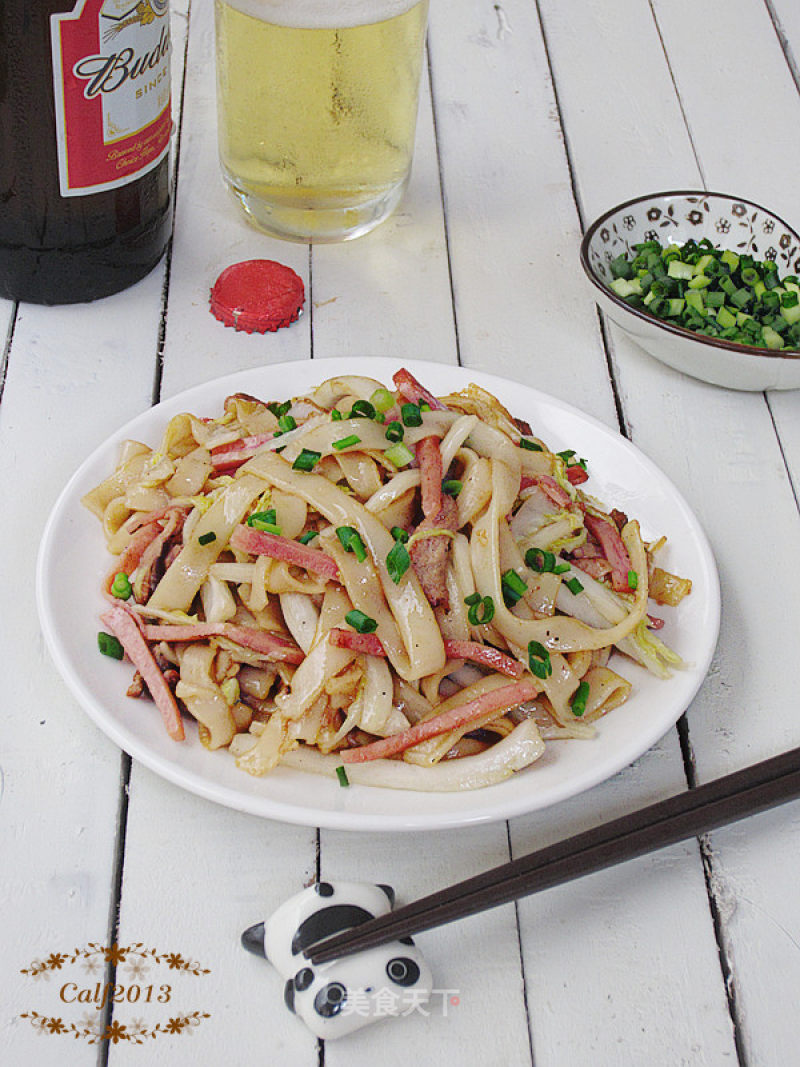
<point x="452" y="486"/>
<point x="540" y="560"/>
<point x="207" y="538"/>
<point x="578" y="702"/>
<point x="399" y="534"/>
<point x="264" y="521"/>
<point x="346" y="442"/>
<point x="362" y="409"/>
<point x="395" y="431"/>
<point x="336" y="415"/>
<point x="110" y="646"/>
<point x="309" y="535"/>
<point x="382" y="400"/>
<point x="574" y="586"/>
<point x="286" y="423"/>
<point x="566" y="455"/>
<point x="481" y="611"/>
<point x="360" y="622"/>
<point x="539" y="660"/>
<point x="633" y="580"/>
<point x="530" y="446"/>
<point x="399" y="455"/>
<point x="398" y="561"/>
<point x="279" y="410"/>
<point x="341" y="774"/>
<point x="121" y="587"/>
<point x="411" y="414"/>
<point x="307" y="460"/>
<point x="351" y="542"/>
<point x="513" y="586"/>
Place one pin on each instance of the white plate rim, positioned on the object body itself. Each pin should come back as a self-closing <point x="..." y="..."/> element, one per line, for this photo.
<point x="357" y="807"/>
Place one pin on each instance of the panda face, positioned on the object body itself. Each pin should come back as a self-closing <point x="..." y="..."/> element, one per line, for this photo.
<point x="339" y="997"/>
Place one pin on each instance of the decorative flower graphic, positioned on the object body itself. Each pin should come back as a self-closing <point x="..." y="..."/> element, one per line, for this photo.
<point x="739" y="210"/>
<point x="771" y="254"/>
<point x="653" y="213"/>
<point x="115" y="1032"/>
<point x="695" y="217"/>
<point x="628" y="222"/>
<point x="722" y="225"/>
<point x="768" y="225"/>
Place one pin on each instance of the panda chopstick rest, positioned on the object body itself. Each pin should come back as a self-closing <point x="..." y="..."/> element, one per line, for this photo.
<point x="336" y="998"/>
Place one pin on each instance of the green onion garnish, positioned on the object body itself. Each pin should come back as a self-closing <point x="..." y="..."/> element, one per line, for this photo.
<point x="514" y="587"/>
<point x="540" y="560"/>
<point x="336" y="415"/>
<point x="481" y="611"/>
<point x="395" y="431"/>
<point x="351" y="542"/>
<point x="286" y="423"/>
<point x="121" y="587"/>
<point x="399" y="455"/>
<point x="341" y="774"/>
<point x="398" y="561"/>
<point x="382" y="400"/>
<point x="309" y="535"/>
<point x="207" y="538"/>
<point x="307" y="460"/>
<point x="346" y="442"/>
<point x="264" y="521"/>
<point x="399" y="534"/>
<point x="633" y="580"/>
<point x="279" y="410"/>
<point x="530" y="446"/>
<point x="362" y="409"/>
<point x="360" y="622"/>
<point x="578" y="702"/>
<point x="452" y="486"/>
<point x="566" y="455"/>
<point x="110" y="646"/>
<point x="411" y="414"/>
<point x="539" y="660"/>
<point x="574" y="586"/>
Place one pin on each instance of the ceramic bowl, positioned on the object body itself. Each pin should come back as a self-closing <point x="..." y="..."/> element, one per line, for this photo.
<point x="673" y="218"/>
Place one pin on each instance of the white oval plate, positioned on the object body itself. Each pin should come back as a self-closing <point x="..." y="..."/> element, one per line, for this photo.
<point x="73" y="561"/>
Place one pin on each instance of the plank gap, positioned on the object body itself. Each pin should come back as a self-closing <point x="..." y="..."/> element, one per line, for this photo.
<point x="7" y="348"/>
<point x="443" y="198"/>
<point x="783" y="41"/>
<point x="118" y="865"/>
<point x="521" y="957"/>
<point x="678" y="97"/>
<point x="784" y="458"/>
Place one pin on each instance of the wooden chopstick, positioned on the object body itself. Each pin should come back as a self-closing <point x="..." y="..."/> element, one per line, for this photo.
<point x="734" y="796"/>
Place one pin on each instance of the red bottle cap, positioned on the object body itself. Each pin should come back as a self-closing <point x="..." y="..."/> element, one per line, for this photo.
<point x="257" y="295"/>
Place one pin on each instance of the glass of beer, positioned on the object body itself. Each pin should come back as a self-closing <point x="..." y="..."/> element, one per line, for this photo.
<point x="317" y="109"/>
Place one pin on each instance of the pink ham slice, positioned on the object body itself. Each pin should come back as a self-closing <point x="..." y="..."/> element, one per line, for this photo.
<point x="272" y="645"/>
<point x="126" y="630"/>
<point x="614" y="550"/>
<point x="498" y="700"/>
<point x="258" y="543"/>
<point x="485" y="655"/>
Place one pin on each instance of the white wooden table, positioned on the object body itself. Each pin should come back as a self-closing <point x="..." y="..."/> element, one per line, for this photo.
<point x="536" y="115"/>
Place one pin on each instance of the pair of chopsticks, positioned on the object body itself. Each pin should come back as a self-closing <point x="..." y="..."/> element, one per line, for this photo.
<point x="725" y="800"/>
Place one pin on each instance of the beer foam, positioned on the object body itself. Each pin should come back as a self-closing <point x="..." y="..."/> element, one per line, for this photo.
<point x="322" y="14"/>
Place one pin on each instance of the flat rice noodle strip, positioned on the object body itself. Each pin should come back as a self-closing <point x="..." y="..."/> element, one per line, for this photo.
<point x="413" y="390"/>
<point x="423" y="651"/>
<point x="500" y="700"/>
<point x="607" y="690"/>
<point x="429" y="459"/>
<point x="126" y="630"/>
<point x="361" y="473"/>
<point x="134" y="459"/>
<point x="476" y="486"/>
<point x="324" y="661"/>
<point x="455" y="438"/>
<point x="259" y="543"/>
<point x="395" y="488"/>
<point x="182" y="580"/>
<point x="559" y="633"/>
<point x="273" y="646"/>
<point x="522" y="747"/>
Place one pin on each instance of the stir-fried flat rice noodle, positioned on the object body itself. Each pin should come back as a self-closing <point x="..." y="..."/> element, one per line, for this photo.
<point x="400" y="589"/>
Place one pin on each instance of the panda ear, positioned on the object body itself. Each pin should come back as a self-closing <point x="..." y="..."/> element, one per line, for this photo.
<point x="253" y="940"/>
<point x="389" y="893"/>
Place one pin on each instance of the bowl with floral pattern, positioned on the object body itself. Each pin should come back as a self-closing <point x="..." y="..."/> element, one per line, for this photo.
<point x="728" y="222"/>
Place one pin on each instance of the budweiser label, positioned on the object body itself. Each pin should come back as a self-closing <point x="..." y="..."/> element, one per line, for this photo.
<point x="111" y="79"/>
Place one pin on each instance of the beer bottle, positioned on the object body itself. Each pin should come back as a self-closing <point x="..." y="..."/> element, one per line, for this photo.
<point x="84" y="146"/>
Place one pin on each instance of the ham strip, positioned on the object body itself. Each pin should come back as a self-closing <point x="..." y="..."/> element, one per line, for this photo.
<point x="258" y="543"/>
<point x="429" y="555"/>
<point x="614" y="550"/>
<point x="126" y="630"/>
<point x="498" y="700"/>
<point x="429" y="459"/>
<point x="408" y="386"/>
<point x="485" y="655"/>
<point x="272" y="645"/>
